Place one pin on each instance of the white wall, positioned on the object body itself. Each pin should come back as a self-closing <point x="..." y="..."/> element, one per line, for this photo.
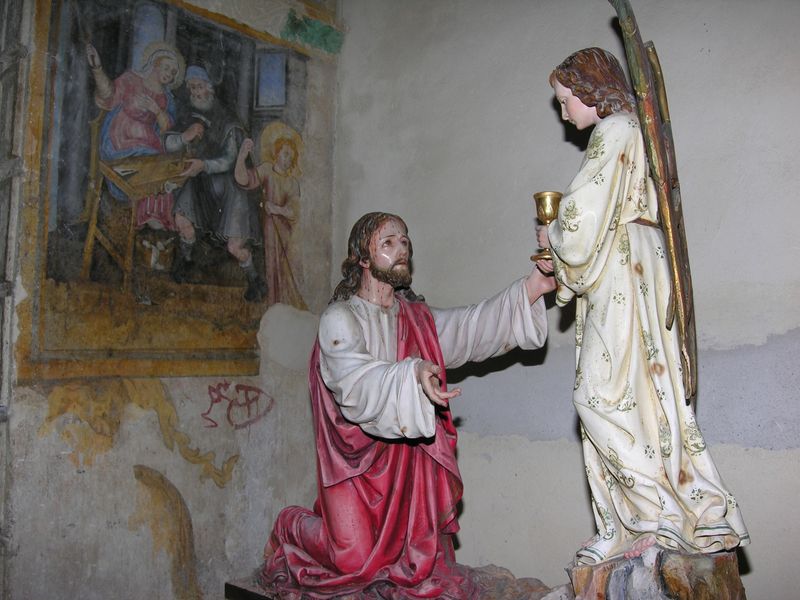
<point x="445" y="117"/>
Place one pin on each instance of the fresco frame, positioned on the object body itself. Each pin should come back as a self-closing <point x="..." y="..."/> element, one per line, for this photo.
<point x="58" y="342"/>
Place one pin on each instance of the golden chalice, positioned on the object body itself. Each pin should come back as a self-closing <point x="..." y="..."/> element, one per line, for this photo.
<point x="546" y="212"/>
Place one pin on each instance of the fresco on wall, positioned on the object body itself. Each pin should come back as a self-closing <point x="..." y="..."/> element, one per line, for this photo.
<point x="172" y="188"/>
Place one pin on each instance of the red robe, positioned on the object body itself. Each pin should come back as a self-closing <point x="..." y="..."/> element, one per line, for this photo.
<point x="386" y="510"/>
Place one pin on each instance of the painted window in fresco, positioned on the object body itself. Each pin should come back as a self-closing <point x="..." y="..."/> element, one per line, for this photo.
<point x="271" y="80"/>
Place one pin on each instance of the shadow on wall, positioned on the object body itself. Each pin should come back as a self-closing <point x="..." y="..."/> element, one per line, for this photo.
<point x="525" y="358"/>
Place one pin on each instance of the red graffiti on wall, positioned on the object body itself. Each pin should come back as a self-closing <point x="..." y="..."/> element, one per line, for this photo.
<point x="247" y="404"/>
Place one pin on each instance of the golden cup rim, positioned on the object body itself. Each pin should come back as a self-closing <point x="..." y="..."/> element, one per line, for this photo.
<point x="547" y="193"/>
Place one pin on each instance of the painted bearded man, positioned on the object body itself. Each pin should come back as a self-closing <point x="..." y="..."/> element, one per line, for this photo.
<point x="210" y="201"/>
<point x="388" y="481"/>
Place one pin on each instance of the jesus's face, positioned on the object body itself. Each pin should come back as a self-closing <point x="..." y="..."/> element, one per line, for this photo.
<point x="390" y="254"/>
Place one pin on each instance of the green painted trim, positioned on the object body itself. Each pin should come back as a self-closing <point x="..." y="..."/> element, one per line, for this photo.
<point x="312" y="33"/>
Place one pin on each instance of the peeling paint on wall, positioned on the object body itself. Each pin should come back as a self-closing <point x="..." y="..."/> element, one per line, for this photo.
<point x="310" y="27"/>
<point x="161" y="507"/>
<point x="93" y="416"/>
<point x="312" y="32"/>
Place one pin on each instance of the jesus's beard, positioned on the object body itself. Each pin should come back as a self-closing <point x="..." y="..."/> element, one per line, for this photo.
<point x="397" y="278"/>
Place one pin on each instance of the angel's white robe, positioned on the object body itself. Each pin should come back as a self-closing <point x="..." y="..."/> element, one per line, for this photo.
<point x="648" y="466"/>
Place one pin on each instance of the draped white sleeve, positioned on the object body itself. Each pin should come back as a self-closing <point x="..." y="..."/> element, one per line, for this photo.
<point x="611" y="188"/>
<point x="358" y="346"/>
<point x="492" y="327"/>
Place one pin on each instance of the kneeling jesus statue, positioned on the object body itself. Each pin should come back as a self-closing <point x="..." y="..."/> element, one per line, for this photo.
<point x="388" y="481"/>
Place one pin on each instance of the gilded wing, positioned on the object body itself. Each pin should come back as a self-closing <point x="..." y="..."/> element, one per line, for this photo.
<point x="653" y="110"/>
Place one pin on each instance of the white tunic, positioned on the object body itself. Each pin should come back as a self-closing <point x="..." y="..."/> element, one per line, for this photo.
<point x="358" y="347"/>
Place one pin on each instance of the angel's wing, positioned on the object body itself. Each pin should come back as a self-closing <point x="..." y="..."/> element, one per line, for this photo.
<point x="651" y="97"/>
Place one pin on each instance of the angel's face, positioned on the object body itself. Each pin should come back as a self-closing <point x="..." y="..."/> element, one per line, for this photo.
<point x="573" y="110"/>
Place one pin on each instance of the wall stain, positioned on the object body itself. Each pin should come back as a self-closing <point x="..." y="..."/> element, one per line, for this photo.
<point x="163" y="509"/>
<point x="95" y="415"/>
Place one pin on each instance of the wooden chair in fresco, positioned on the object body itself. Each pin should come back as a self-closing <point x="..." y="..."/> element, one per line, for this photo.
<point x="137" y="177"/>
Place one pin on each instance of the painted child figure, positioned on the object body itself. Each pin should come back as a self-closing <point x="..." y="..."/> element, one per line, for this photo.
<point x="276" y="178"/>
<point x="651" y="476"/>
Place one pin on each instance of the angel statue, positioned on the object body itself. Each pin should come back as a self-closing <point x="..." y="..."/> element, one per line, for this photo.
<point x="651" y="475"/>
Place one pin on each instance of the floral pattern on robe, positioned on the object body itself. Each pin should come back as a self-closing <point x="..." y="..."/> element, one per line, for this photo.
<point x="649" y="468"/>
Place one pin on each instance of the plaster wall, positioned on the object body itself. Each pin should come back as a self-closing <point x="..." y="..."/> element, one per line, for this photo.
<point x="445" y="116"/>
<point x="146" y="489"/>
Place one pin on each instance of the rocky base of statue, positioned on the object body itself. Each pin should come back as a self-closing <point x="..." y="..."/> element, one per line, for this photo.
<point x="493" y="583"/>
<point x="659" y="574"/>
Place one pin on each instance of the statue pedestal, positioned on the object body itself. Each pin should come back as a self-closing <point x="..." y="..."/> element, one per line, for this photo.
<point x="661" y="575"/>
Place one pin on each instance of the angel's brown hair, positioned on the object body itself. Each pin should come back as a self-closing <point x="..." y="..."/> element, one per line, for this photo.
<point x="595" y="76"/>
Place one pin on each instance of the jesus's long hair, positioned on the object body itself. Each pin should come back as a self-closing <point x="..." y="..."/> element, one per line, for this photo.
<point x="358" y="250"/>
